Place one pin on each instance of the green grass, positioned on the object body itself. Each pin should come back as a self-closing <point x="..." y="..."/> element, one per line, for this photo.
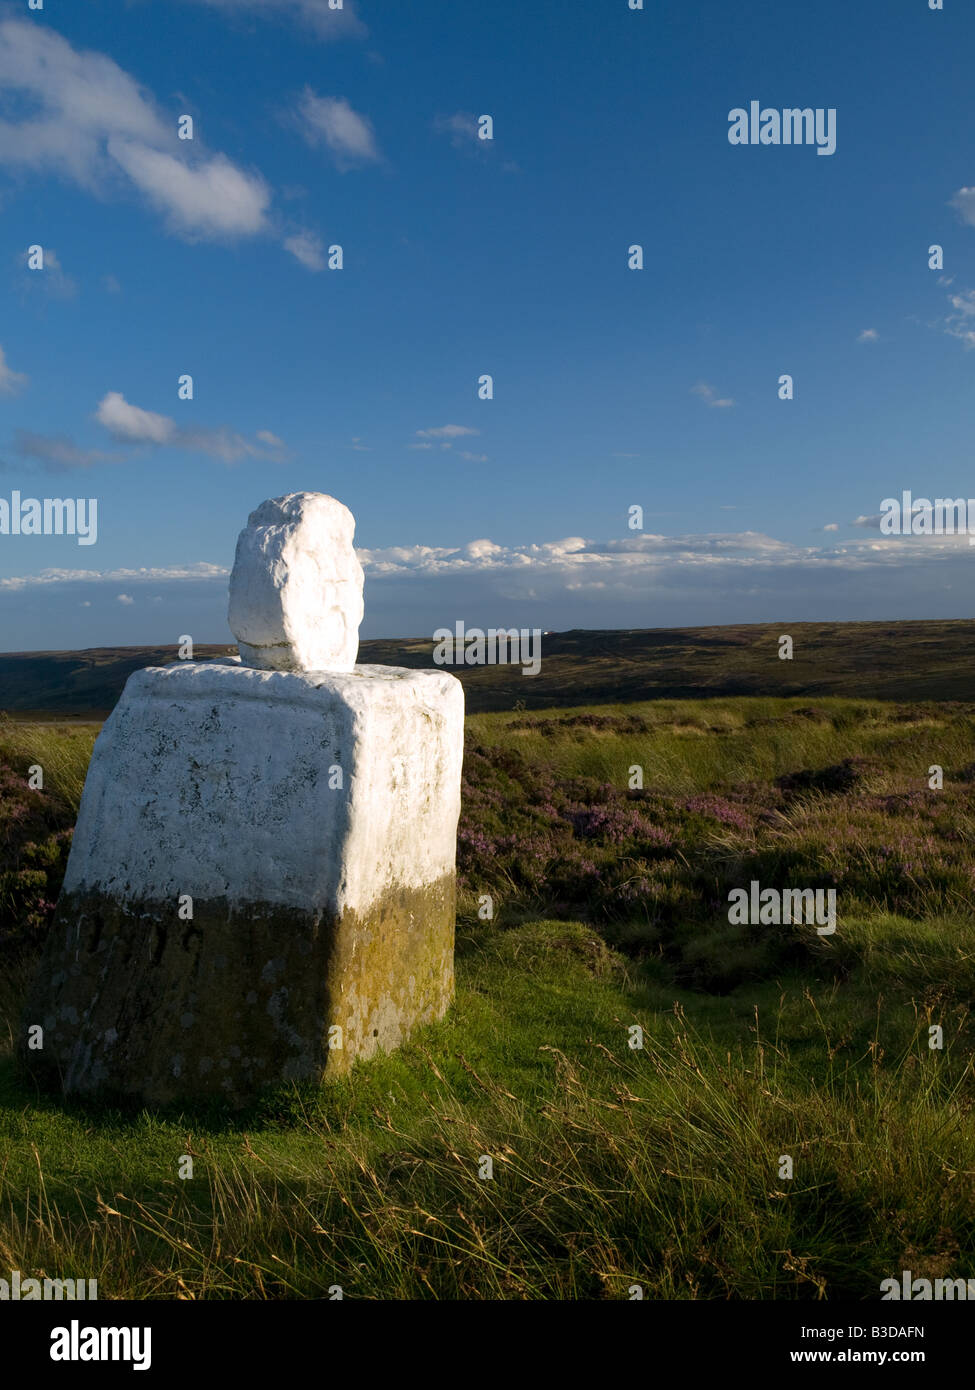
<point x="699" y="745"/>
<point x="61" y="750"/>
<point x="611" y="1166"/>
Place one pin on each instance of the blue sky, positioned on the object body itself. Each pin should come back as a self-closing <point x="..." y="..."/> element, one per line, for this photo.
<point x="613" y="387"/>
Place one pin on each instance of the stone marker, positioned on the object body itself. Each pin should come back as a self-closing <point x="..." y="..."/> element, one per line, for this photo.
<point x="261" y="882"/>
<point x="296" y="586"/>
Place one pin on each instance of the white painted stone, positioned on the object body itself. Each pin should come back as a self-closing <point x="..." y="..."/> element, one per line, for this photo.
<point x="212" y="779"/>
<point x="296" y="586"/>
<point x="316" y="907"/>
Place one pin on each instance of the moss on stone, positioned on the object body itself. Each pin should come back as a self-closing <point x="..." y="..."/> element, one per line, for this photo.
<point x="135" y="1001"/>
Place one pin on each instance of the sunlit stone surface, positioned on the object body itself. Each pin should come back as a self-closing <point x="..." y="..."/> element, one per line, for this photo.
<point x="261" y="882"/>
<point x="296" y="586"/>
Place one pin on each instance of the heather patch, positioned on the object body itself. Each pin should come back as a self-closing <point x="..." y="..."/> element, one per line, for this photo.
<point x="652" y="868"/>
<point x="35" y="836"/>
<point x="611" y="915"/>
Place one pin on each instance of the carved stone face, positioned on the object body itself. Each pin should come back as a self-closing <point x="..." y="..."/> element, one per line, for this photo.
<point x="296" y="587"/>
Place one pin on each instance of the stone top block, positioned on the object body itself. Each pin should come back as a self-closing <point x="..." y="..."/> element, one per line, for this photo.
<point x="305" y="789"/>
<point x="296" y="586"/>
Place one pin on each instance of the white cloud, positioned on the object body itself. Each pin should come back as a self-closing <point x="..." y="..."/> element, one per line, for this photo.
<point x="201" y="569"/>
<point x="52" y="280"/>
<point x="964" y="204"/>
<point x="627" y="562"/>
<point x="128" y="422"/>
<point x="637" y="580"/>
<point x="742" y="563"/>
<point x="481" y="550"/>
<point x="869" y="335"/>
<point x="211" y="199"/>
<point x="317" y="15"/>
<point x="707" y="395"/>
<point x="832" y="526"/>
<point x="446" y="432"/>
<point x="691" y="578"/>
<point x="125" y="598"/>
<point x="57" y="453"/>
<point x="461" y="127"/>
<point x="473" y="458"/>
<point x="84" y="97"/>
<point x="224" y="444"/>
<point x="10" y="381"/>
<point x="963" y="304"/>
<point x="637" y="553"/>
<point x="85" y="119"/>
<point x="307" y="248"/>
<point x="331" y="121"/>
<point x="959" y="323"/>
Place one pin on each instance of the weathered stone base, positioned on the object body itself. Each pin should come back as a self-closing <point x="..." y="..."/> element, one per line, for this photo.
<point x="137" y="1002"/>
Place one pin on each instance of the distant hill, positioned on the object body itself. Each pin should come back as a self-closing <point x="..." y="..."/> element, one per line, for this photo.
<point x="918" y="660"/>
